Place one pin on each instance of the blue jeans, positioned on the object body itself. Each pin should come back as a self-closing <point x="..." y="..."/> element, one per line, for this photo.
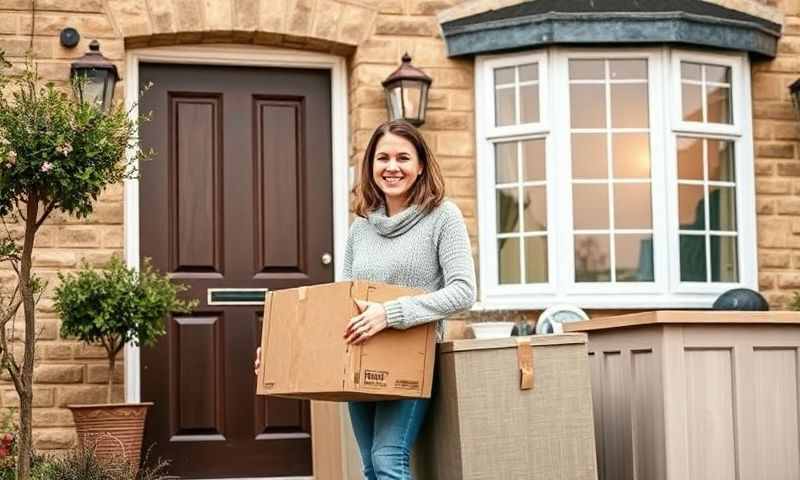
<point x="386" y="432"/>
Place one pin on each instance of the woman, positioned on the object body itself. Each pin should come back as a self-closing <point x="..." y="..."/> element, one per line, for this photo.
<point x="406" y="234"/>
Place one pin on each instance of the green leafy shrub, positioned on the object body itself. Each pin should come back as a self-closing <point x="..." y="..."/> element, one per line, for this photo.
<point x="117" y="305"/>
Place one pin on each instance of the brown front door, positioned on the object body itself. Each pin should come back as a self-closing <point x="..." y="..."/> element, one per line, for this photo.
<point x="237" y="197"/>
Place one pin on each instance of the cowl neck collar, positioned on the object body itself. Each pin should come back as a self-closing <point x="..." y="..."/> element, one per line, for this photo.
<point x="397" y="224"/>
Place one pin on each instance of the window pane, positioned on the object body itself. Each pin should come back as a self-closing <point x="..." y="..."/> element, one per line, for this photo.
<point x="691" y="208"/>
<point x="589" y="155"/>
<point x="529" y="103"/>
<point x="631" y="153"/>
<point x="505" y="100"/>
<point x="634" y="258"/>
<point x="533" y="160"/>
<point x="505" y="162"/>
<point x="720" y="161"/>
<point x="503" y="75"/>
<point x="719" y="104"/>
<point x="535" y="209"/>
<point x="691" y="71"/>
<point x="690" y="158"/>
<point x="508" y="260"/>
<point x="588" y="106"/>
<point x="722" y="208"/>
<point x="693" y="258"/>
<point x="529" y="72"/>
<point x="591" y="258"/>
<point x="535" y="259"/>
<point x="507" y="210"/>
<point x="587" y="69"/>
<point x="718" y="74"/>
<point x="632" y="209"/>
<point x="628" y="69"/>
<point x="590" y="206"/>
<point x="724" y="259"/>
<point x="629" y="106"/>
<point x="692" y="98"/>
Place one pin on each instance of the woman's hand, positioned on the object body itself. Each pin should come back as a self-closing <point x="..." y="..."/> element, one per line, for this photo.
<point x="371" y="321"/>
<point x="257" y="363"/>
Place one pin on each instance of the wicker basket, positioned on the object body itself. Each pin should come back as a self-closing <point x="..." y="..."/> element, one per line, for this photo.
<point x="115" y="430"/>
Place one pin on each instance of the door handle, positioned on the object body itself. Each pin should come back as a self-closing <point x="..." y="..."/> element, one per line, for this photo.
<point x="326" y="258"/>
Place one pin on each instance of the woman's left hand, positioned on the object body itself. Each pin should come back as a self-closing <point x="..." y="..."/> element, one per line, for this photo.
<point x="371" y="321"/>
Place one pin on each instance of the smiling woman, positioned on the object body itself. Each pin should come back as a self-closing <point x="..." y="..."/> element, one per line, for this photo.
<point x="408" y="235"/>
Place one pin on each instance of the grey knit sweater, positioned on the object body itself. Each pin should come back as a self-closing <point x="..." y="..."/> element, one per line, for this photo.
<point x="412" y="249"/>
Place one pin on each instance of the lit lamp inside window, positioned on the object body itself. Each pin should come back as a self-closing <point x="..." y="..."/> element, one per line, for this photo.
<point x="97" y="77"/>
<point x="406" y="92"/>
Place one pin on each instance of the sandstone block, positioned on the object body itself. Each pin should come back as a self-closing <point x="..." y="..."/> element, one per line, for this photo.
<point x="99" y="373"/>
<point x="56" y="350"/>
<point x="766" y="281"/>
<point x="52" y="373"/>
<point x="162" y="14"/>
<point x="461" y="187"/>
<point x="772" y="187"/>
<point x="326" y="19"/>
<point x="789" y="169"/>
<point x="457" y="144"/>
<point x="53" y="258"/>
<point x="130" y="17"/>
<point x="769" y="259"/>
<point x="766" y="206"/>
<point x="246" y="14"/>
<point x="775" y="150"/>
<point x="52" y="417"/>
<point x="355" y="24"/>
<point x="78" y="236"/>
<point x="789" y="206"/>
<point x="448" y="121"/>
<point x="189" y="15"/>
<point x="430" y="7"/>
<point x="90" y="25"/>
<point x="80" y="395"/>
<point x="299" y="17"/>
<point x="42" y="397"/>
<point x="396" y="25"/>
<point x="219" y="15"/>
<point x="54" y="438"/>
<point x="789" y="280"/>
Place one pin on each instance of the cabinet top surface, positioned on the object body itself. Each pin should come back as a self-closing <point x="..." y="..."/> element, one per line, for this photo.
<point x="685" y="317"/>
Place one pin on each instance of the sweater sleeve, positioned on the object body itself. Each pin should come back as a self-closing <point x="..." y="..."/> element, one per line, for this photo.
<point x="458" y="292"/>
<point x="347" y="268"/>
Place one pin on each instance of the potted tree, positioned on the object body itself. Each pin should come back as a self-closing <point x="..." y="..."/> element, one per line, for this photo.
<point x="112" y="307"/>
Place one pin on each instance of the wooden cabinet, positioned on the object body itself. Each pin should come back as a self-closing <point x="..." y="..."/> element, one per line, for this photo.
<point x="685" y="395"/>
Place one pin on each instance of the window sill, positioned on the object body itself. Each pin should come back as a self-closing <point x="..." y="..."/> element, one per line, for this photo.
<point x="647" y="301"/>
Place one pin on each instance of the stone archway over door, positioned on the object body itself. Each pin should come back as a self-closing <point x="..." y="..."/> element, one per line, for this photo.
<point x="240" y="197"/>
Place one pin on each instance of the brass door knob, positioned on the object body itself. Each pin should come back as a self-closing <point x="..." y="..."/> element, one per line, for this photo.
<point x="327" y="258"/>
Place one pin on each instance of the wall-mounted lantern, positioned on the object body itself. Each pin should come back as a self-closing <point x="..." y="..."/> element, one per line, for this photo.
<point x="794" y="91"/>
<point x="98" y="77"/>
<point x="406" y="93"/>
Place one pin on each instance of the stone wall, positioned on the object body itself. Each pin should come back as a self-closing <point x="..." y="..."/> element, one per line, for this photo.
<point x="372" y="34"/>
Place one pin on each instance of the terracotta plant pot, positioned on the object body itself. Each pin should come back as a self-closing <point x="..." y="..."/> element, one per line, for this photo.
<point x="115" y="430"/>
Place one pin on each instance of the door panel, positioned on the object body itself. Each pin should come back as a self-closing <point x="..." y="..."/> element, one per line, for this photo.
<point x="238" y="196"/>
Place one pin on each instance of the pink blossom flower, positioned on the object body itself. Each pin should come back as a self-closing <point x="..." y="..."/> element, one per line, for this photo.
<point x="47" y="166"/>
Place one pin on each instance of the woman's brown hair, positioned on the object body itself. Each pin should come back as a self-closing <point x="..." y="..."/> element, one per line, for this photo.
<point x="428" y="190"/>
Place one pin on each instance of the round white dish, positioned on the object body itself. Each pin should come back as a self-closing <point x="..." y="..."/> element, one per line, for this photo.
<point x="483" y="330"/>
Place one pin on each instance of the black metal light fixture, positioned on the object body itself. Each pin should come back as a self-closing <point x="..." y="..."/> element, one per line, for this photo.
<point x="406" y="91"/>
<point x="96" y="77"/>
<point x="794" y="91"/>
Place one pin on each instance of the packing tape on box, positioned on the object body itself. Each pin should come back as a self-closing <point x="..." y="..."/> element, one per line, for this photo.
<point x="525" y="363"/>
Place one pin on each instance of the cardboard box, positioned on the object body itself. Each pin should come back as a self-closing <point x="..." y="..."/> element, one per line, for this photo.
<point x="304" y="354"/>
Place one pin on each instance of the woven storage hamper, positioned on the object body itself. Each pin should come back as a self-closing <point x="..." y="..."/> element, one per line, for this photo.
<point x="489" y="420"/>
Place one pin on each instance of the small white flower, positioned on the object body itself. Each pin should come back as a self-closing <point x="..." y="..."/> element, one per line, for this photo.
<point x="64" y="149"/>
<point x="12" y="157"/>
<point x="47" y="166"/>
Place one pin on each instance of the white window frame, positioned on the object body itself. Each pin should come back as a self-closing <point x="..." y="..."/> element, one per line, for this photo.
<point x="667" y="291"/>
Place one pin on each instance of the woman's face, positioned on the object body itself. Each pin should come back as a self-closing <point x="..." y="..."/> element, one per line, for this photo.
<point x="395" y="167"/>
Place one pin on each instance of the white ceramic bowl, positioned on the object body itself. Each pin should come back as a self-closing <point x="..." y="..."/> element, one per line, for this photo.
<point x="492" y="329"/>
